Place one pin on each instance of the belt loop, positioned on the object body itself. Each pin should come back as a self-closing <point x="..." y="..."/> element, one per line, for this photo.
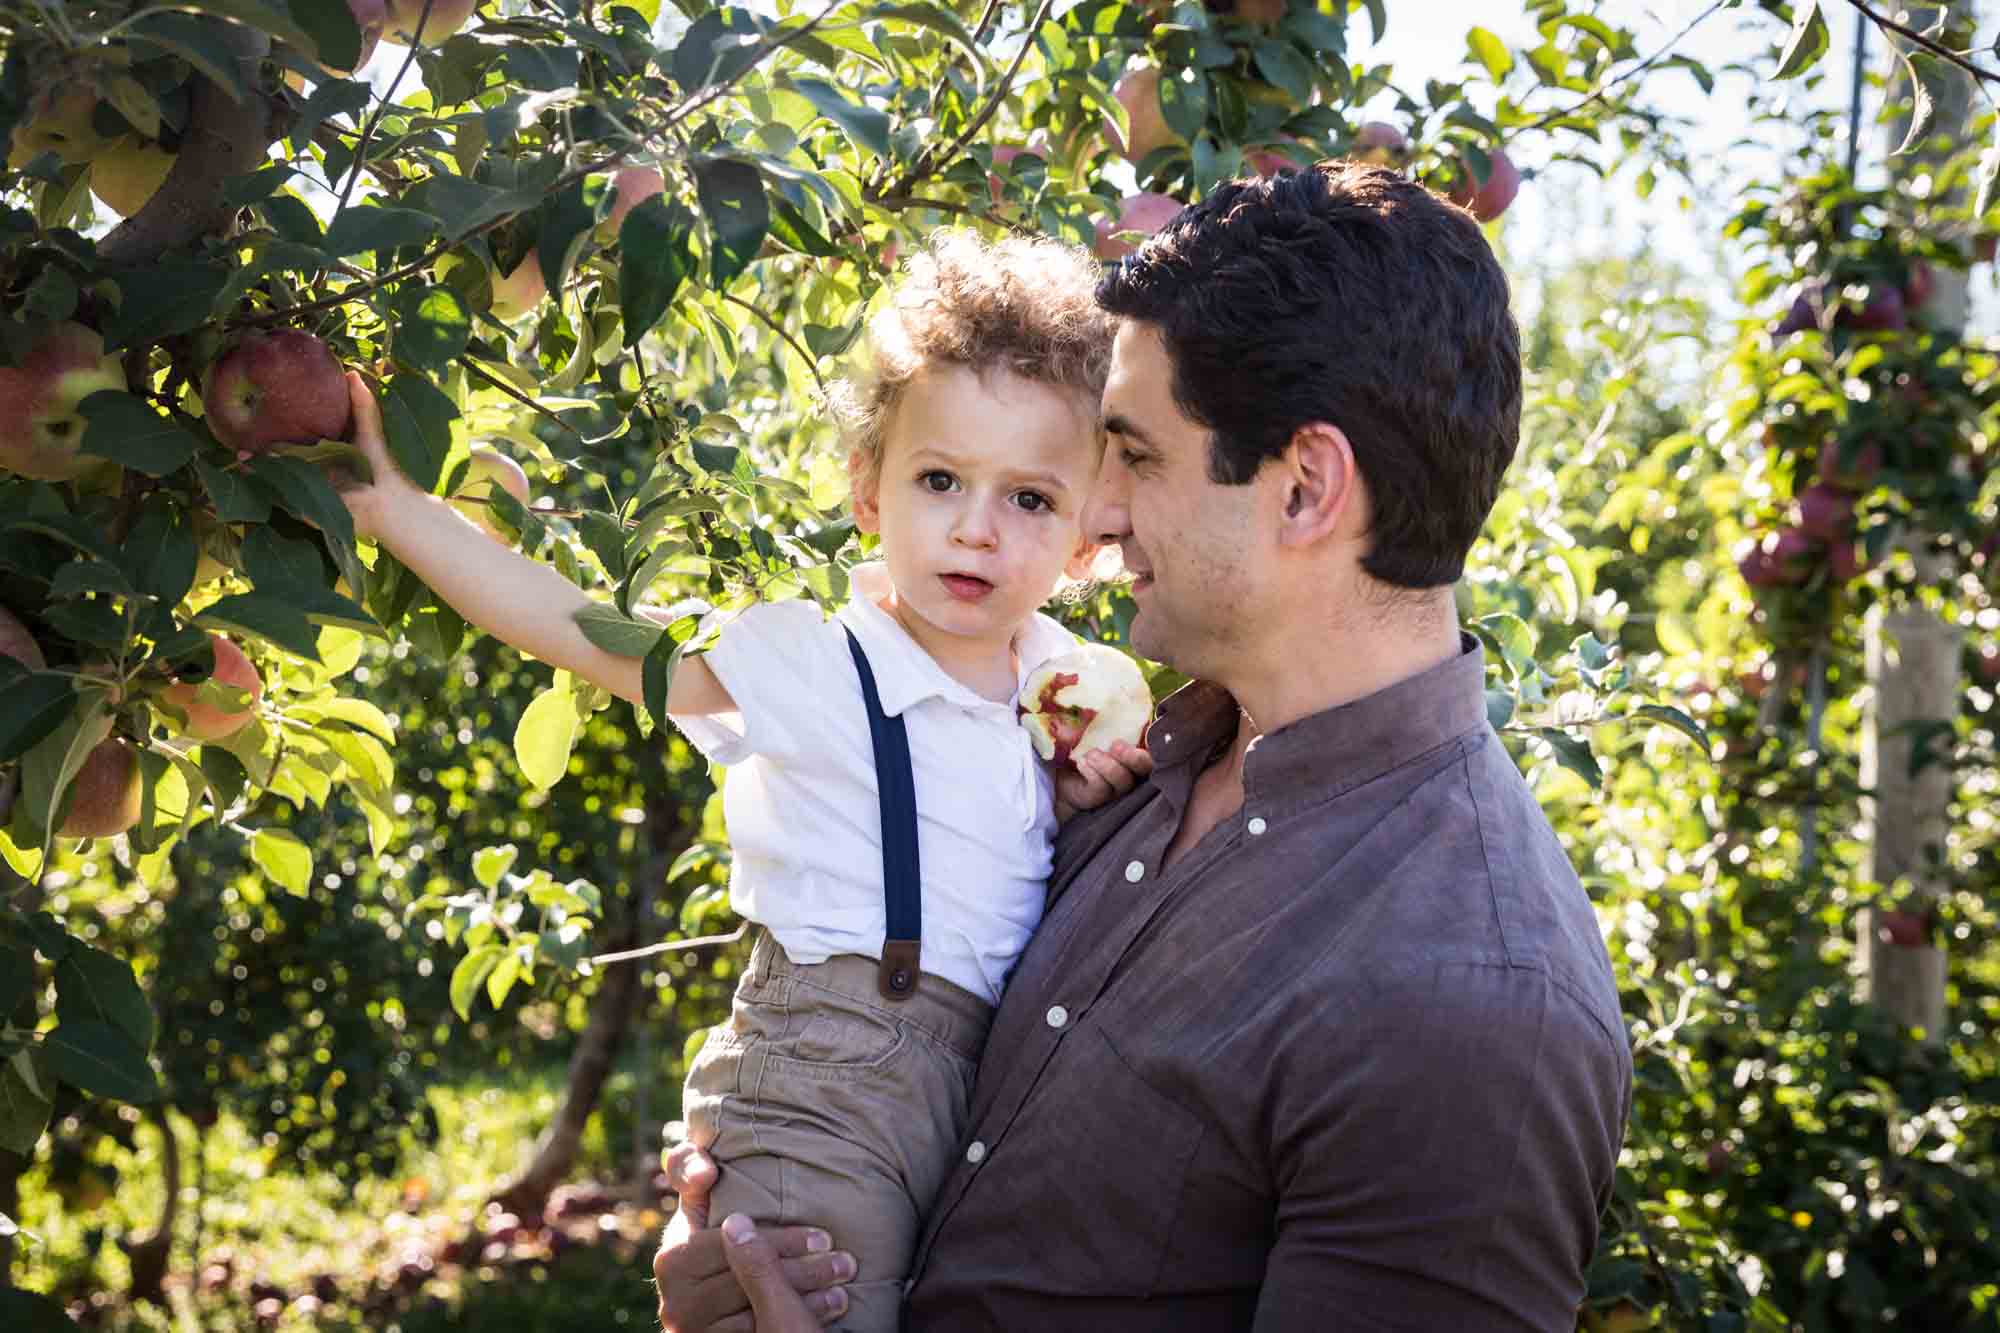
<point x="902" y="883"/>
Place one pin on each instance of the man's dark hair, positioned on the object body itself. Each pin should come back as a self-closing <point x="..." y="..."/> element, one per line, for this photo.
<point x="1350" y="295"/>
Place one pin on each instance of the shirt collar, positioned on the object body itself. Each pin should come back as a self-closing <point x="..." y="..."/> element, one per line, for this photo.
<point x="1335" y="750"/>
<point x="905" y="674"/>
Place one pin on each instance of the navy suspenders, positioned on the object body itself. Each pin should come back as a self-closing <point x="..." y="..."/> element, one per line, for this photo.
<point x="902" y="891"/>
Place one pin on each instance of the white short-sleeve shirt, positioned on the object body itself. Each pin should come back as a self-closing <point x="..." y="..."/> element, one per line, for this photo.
<point x="800" y="798"/>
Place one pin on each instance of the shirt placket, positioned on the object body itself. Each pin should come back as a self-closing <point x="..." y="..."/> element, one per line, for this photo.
<point x="1075" y="976"/>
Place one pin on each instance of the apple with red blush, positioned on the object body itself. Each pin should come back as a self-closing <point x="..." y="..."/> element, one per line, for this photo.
<point x="1084" y="700"/>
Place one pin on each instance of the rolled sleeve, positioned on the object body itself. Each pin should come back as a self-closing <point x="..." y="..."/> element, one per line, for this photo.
<point x="774" y="660"/>
<point x="1445" y="1176"/>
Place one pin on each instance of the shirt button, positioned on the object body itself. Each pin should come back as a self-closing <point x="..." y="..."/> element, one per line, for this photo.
<point x="976" y="1153"/>
<point x="1057" y="1016"/>
<point x="1135" y="872"/>
<point x="1257" y="826"/>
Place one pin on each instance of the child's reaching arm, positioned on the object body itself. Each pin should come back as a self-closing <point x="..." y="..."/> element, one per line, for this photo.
<point x="518" y="600"/>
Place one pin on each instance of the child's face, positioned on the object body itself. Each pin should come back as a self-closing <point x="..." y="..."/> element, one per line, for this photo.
<point x="978" y="497"/>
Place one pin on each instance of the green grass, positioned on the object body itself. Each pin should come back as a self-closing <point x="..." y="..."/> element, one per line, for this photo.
<point x="284" y="1229"/>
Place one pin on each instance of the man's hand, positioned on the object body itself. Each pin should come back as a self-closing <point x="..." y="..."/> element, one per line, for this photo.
<point x="782" y="1280"/>
<point x="1100" y="776"/>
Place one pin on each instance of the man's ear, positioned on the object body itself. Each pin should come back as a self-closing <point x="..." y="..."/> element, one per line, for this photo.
<point x="1321" y="487"/>
<point x="864" y="485"/>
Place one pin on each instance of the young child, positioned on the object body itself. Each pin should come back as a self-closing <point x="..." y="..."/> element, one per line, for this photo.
<point x="973" y="442"/>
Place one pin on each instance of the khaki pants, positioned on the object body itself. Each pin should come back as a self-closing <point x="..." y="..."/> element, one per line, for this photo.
<point x="826" y="1104"/>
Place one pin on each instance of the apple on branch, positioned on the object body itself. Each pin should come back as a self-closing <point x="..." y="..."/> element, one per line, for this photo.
<point x="630" y="187"/>
<point x="105" y="795"/>
<point x="208" y="720"/>
<point x="1488" y="199"/>
<point x="17" y="643"/>
<point x="1143" y="213"/>
<point x="128" y="173"/>
<point x="41" y="420"/>
<point x="281" y="387"/>
<point x="59" y="121"/>
<point x="489" y="468"/>
<point x="1084" y="700"/>
<point x="445" y="18"/>
<point x="1138" y="91"/>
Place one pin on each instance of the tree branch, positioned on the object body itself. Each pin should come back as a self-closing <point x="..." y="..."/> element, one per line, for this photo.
<point x="225" y="138"/>
<point x="381" y="109"/>
<point x="485" y="376"/>
<point x="1942" y="52"/>
<point x="805" y="354"/>
<point x="927" y="160"/>
<point x="1597" y="94"/>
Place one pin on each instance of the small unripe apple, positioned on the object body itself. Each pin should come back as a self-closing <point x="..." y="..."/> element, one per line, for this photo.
<point x="1487" y="200"/>
<point x="105" y="794"/>
<point x="1825" y="511"/>
<point x="1138" y="91"/>
<point x="445" y="19"/>
<point x="17" y="643"/>
<point x="41" y="418"/>
<point x="1144" y="213"/>
<point x="206" y="721"/>
<point x="1084" y="700"/>
<point x="488" y="468"/>
<point x="127" y="174"/>
<point x="520" y="291"/>
<point x="281" y="387"/>
<point x="58" y="121"/>
<point x="1382" y="144"/>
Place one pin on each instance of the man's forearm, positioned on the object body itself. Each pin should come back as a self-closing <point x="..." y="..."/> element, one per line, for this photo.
<point x="518" y="600"/>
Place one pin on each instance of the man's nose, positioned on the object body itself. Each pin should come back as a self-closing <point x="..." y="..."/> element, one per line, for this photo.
<point x="1106" y="515"/>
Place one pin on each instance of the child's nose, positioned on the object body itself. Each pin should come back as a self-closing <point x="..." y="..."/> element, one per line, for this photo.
<point x="975" y="528"/>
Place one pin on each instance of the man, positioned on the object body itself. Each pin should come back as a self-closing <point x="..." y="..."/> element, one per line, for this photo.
<point x="1319" y="1031"/>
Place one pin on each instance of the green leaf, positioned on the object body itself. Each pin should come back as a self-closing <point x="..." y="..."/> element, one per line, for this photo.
<point x="160" y="300"/>
<point x="1499" y="708"/>
<point x="472" y="970"/>
<point x="490" y="863"/>
<point x="97" y="1057"/>
<point x="568" y="219"/>
<point x="268" y="616"/>
<point x="31" y="708"/>
<point x="1378" y="18"/>
<point x="939" y="20"/>
<point x="1932" y="81"/>
<point x="1282" y="65"/>
<point x="92" y="984"/>
<point x="159" y="552"/>
<point x="653" y="261"/>
<point x="501" y="979"/>
<point x="356" y="713"/>
<point x="732" y="199"/>
<point x="1808" y="41"/>
<point x="433" y="325"/>
<point x="1491" y="52"/>
<point x="27" y="1099"/>
<point x="417" y="417"/>
<point x="333" y="37"/>
<point x="546" y="734"/>
<point x="235" y="499"/>
<point x="657" y="676"/>
<point x="199" y="41"/>
<point x="866" y="126"/>
<point x="1573" y="754"/>
<point x="718" y="46"/>
<point x="362" y="228"/>
<point x="615" y="633"/>
<point x="281" y="855"/>
<point x="1676" y="719"/>
<point x="1512" y="636"/>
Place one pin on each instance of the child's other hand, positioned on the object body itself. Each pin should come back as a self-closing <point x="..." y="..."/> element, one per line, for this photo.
<point x="1100" y="776"/>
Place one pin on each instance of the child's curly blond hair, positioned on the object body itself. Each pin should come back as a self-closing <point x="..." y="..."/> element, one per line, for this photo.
<point x="1025" y="304"/>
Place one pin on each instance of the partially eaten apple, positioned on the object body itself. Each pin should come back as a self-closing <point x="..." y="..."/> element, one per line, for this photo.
<point x="1084" y="700"/>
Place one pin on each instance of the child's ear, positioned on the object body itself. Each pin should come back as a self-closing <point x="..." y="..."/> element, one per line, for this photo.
<point x="865" y="489"/>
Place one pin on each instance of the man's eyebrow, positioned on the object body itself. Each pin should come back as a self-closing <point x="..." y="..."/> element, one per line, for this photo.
<point x="1117" y="423"/>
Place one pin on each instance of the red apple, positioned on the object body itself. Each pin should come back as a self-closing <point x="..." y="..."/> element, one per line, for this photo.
<point x="1881" y="311"/>
<point x="1849" y="469"/>
<point x="1825" y="511"/>
<point x="1381" y="143"/>
<point x="125" y="175"/>
<point x="1259" y="11"/>
<point x="206" y="720"/>
<point x="489" y="468"/>
<point x="1082" y="701"/>
<point x="1138" y="91"/>
<point x="1269" y="161"/>
<point x="1987" y="667"/>
<point x="1919" y="286"/>
<point x="1904" y="930"/>
<point x="1004" y="155"/>
<point x="41" y="423"/>
<point x="17" y="643"/>
<point x="1489" y="199"/>
<point x="105" y="794"/>
<point x="281" y="387"/>
<point x="1778" y="559"/>
<point x="1143" y="213"/>
<point x="1985" y="247"/>
<point x="630" y="187"/>
<point x="445" y="19"/>
<point x="1848" y="559"/>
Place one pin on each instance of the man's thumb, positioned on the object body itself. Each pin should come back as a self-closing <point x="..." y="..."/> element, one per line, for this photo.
<point x="755" y="1263"/>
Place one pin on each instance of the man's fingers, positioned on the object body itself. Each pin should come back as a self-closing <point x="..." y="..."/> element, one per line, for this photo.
<point x="758" y="1266"/>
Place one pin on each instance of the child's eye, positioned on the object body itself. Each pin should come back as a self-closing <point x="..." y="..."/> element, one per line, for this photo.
<point x="1034" y="502"/>
<point x="938" y="482"/>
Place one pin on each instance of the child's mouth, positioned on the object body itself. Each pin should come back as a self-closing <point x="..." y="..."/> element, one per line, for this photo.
<point x="965" y="587"/>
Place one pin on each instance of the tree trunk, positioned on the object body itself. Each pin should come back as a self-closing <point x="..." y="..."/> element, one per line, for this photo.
<point x="1914" y="660"/>
<point x="150" y="1254"/>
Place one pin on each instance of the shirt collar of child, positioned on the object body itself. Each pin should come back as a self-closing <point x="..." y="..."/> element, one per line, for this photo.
<point x="905" y="674"/>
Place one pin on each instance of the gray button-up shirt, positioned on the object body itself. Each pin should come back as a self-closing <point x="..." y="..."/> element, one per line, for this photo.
<point x="1353" y="1062"/>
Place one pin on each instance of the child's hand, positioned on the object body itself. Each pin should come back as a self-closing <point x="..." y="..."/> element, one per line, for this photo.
<point x="368" y="498"/>
<point x="1100" y="776"/>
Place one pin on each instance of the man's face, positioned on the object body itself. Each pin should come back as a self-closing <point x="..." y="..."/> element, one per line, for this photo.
<point x="1199" y="557"/>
